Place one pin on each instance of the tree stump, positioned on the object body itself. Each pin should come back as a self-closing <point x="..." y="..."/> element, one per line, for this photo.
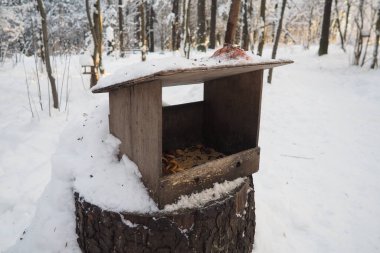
<point x="223" y="225"/>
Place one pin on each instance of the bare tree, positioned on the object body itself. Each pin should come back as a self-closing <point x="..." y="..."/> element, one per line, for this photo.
<point x="232" y="22"/>
<point x="324" y="42"/>
<point x="45" y="35"/>
<point x="187" y="39"/>
<point x="96" y="28"/>
<point x="277" y="38"/>
<point x="262" y="28"/>
<point x="245" y="39"/>
<point x="201" y="31"/>
<point x="339" y="26"/>
<point x="143" y="30"/>
<point x="176" y="36"/>
<point x="151" y="27"/>
<point x="377" y="38"/>
<point x="348" y="4"/>
<point x="121" y="28"/>
<point x="372" y="21"/>
<point x="213" y="24"/>
<point x="359" y="21"/>
<point x="238" y="34"/>
<point x="310" y="23"/>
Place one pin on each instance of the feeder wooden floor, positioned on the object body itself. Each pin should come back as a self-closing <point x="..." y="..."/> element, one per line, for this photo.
<point x="179" y="160"/>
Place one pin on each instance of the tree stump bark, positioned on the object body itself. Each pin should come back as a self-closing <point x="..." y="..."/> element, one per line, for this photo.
<point x="224" y="225"/>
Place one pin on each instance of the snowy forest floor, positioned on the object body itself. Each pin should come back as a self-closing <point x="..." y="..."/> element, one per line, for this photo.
<point x="318" y="186"/>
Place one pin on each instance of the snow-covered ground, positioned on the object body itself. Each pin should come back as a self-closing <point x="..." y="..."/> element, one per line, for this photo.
<point x="317" y="189"/>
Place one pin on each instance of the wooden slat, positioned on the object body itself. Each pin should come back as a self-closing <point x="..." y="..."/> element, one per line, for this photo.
<point x="232" y="112"/>
<point x="182" y="125"/>
<point x="204" y="176"/>
<point x="196" y="74"/>
<point x="136" y="119"/>
<point x="203" y="75"/>
<point x="119" y="102"/>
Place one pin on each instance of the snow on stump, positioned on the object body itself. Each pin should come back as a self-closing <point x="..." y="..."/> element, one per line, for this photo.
<point x="223" y="225"/>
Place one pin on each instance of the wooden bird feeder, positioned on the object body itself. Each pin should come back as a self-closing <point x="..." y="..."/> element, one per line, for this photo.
<point x="227" y="120"/>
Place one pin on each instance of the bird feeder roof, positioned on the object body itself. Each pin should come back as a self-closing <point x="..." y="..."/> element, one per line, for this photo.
<point x="180" y="71"/>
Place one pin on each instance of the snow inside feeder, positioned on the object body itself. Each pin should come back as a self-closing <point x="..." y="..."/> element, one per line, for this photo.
<point x="186" y="148"/>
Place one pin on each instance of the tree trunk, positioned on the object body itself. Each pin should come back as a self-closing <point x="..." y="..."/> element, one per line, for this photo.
<point x="213" y="24"/>
<point x="175" y="26"/>
<point x="121" y="28"/>
<point x="277" y="39"/>
<point x="274" y="22"/>
<point x="262" y="28"/>
<point x="142" y="30"/>
<point x="151" y="28"/>
<point x="232" y="22"/>
<point x="201" y="32"/>
<point x="223" y="225"/>
<point x="372" y="20"/>
<point x="324" y="42"/>
<point x="376" y="48"/>
<point x="95" y="55"/>
<point x="310" y="23"/>
<point x="347" y="18"/>
<point x="359" y="34"/>
<point x="252" y="33"/>
<point x="98" y="22"/>
<point x="45" y="35"/>
<point x="245" y="36"/>
<point x="238" y="35"/>
<point x="187" y="44"/>
<point x="42" y="54"/>
<point x="339" y="26"/>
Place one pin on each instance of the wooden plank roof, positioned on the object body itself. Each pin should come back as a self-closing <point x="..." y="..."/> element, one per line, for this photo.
<point x="186" y="74"/>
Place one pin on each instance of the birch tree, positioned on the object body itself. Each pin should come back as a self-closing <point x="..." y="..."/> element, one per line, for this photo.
<point x="359" y="21"/>
<point x="377" y="38"/>
<point x="187" y="37"/>
<point x="41" y="8"/>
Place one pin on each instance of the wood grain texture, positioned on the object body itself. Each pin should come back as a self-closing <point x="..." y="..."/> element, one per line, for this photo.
<point x="204" y="176"/>
<point x="232" y="112"/>
<point x="182" y="125"/>
<point x="136" y="119"/>
<point x="119" y="102"/>
<point x="223" y="225"/>
<point x="195" y="75"/>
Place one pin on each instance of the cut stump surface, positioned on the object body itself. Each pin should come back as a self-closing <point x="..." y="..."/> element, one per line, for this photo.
<point x="223" y="225"/>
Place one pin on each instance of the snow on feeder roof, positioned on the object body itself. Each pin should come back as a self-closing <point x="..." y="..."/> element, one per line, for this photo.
<point x="186" y="148"/>
<point x="179" y="71"/>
